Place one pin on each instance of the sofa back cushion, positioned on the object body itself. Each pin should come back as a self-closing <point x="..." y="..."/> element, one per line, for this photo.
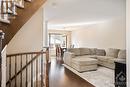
<point x="122" y="54"/>
<point x="100" y="52"/>
<point x="112" y="52"/>
<point x="76" y="51"/>
<point x="85" y="51"/>
<point x="93" y="51"/>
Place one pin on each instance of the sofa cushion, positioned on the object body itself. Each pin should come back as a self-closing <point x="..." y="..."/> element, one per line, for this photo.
<point x="111" y="52"/>
<point x="122" y="54"/>
<point x="84" y="61"/>
<point x="84" y="68"/>
<point x="112" y="60"/>
<point x="100" y="52"/>
<point x="76" y="51"/>
<point x="87" y="56"/>
<point x="85" y="51"/>
<point x="103" y="58"/>
<point x="93" y="51"/>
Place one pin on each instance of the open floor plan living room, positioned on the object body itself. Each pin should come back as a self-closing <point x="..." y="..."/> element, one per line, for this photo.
<point x="64" y="43"/>
<point x="90" y="36"/>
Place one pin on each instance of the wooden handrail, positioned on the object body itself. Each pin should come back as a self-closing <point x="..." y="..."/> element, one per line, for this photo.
<point x="24" y="66"/>
<point x="34" y="58"/>
<point x="16" y="54"/>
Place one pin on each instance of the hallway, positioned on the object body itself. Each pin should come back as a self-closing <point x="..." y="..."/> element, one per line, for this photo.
<point x="62" y="77"/>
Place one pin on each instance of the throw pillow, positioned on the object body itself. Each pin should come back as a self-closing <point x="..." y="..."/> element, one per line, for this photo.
<point x="93" y="51"/>
<point x="100" y="52"/>
<point x="76" y="51"/>
<point x="85" y="51"/>
<point x="122" y="54"/>
<point x="112" y="52"/>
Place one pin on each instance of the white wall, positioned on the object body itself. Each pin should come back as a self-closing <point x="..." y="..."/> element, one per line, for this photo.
<point x="128" y="40"/>
<point x="108" y="34"/>
<point x="29" y="37"/>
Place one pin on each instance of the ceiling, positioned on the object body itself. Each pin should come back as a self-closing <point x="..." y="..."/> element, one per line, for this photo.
<point x="67" y="13"/>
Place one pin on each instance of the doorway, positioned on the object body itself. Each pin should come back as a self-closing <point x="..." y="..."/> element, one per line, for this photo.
<point x="56" y="39"/>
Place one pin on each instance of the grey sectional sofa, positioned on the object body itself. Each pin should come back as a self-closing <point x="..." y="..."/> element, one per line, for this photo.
<point x="85" y="59"/>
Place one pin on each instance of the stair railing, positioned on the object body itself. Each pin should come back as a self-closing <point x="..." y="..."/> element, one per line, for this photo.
<point x="28" y="69"/>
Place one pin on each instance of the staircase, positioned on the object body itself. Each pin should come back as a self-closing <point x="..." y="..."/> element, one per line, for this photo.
<point x="14" y="14"/>
<point x="29" y="69"/>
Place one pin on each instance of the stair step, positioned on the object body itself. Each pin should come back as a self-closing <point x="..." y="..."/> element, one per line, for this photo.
<point x="4" y="17"/>
<point x="5" y="20"/>
<point x="19" y="6"/>
<point x="14" y="13"/>
<point x="8" y="11"/>
<point x="14" y="9"/>
<point x="11" y="13"/>
<point x="11" y="17"/>
<point x="20" y="3"/>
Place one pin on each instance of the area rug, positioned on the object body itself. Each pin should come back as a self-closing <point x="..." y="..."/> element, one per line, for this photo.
<point x="102" y="77"/>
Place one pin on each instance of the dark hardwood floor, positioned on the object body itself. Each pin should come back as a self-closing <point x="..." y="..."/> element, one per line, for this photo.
<point x="59" y="76"/>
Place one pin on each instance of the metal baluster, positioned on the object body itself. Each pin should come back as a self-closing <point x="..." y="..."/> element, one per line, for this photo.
<point x="42" y="84"/>
<point x="26" y="71"/>
<point x="21" y="72"/>
<point x="31" y="71"/>
<point x="37" y="72"/>
<point x="9" y="71"/>
<point x="15" y="71"/>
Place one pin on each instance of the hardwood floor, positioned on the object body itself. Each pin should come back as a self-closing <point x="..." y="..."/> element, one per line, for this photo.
<point x="59" y="76"/>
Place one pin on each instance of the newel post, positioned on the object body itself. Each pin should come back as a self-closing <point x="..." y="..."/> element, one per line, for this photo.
<point x="1" y="38"/>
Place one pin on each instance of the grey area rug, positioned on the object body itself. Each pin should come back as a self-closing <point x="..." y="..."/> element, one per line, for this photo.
<point x="102" y="77"/>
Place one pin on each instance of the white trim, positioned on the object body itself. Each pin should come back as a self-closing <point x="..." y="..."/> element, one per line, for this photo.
<point x="128" y="40"/>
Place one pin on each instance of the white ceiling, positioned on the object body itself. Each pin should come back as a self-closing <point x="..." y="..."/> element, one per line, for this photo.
<point x="65" y="13"/>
